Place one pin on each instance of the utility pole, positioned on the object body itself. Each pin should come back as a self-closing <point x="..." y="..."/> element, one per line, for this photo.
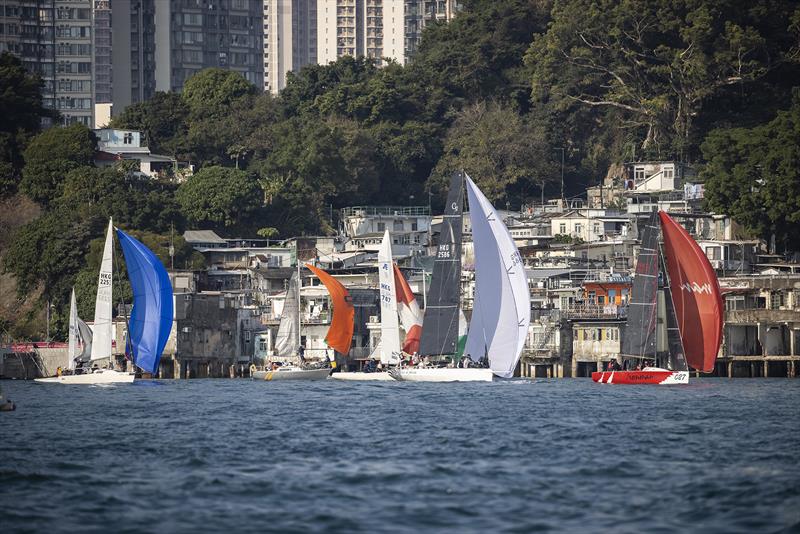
<point x="562" y="172"/>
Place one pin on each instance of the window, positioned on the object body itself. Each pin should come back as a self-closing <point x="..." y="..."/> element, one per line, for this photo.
<point x="127" y="138"/>
<point x="562" y="228"/>
<point x="381" y="227"/>
<point x="638" y="173"/>
<point x="578" y="228"/>
<point x="713" y="253"/>
<point x="597" y="228"/>
<point x="247" y="335"/>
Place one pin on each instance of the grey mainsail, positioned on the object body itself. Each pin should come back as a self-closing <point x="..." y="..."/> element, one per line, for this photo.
<point x="286" y="342"/>
<point x="640" y="332"/>
<point x="440" y="324"/>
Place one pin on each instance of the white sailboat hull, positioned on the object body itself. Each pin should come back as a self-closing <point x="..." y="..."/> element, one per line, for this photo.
<point x="292" y="374"/>
<point x="106" y="376"/>
<point x="363" y="377"/>
<point x="442" y="374"/>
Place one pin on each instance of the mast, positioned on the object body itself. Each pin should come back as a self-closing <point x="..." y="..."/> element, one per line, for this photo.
<point x="299" y="282"/>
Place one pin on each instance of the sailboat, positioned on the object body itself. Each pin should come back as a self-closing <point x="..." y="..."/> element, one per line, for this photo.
<point x="288" y="341"/>
<point x="501" y="311"/>
<point x="389" y="346"/>
<point x="690" y="307"/>
<point x="150" y="321"/>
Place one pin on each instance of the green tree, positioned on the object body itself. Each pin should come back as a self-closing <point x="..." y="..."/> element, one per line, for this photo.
<point x="219" y="197"/>
<point x="163" y="119"/>
<point x="51" y="155"/>
<point x="211" y="91"/>
<point x="657" y="63"/>
<point x="479" y="54"/>
<point x="22" y="111"/>
<point x="753" y="175"/>
<point x="498" y="149"/>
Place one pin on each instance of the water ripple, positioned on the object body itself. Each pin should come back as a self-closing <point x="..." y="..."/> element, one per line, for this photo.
<point x="518" y="456"/>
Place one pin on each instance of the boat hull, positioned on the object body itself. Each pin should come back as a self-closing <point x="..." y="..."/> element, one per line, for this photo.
<point x="662" y="377"/>
<point x="105" y="376"/>
<point x="293" y="374"/>
<point x="441" y="374"/>
<point x="363" y="377"/>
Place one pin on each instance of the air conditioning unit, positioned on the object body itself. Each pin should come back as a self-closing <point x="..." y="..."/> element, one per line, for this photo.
<point x="374" y="319"/>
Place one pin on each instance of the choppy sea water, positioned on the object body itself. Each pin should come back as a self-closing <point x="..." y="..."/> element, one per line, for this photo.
<point x="516" y="456"/>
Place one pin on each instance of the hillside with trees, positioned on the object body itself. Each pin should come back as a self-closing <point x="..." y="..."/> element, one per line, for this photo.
<point x="502" y="91"/>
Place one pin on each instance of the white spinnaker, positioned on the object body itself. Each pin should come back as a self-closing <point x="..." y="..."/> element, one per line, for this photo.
<point x="390" y="329"/>
<point x="102" y="328"/>
<point x="501" y="288"/>
<point x="286" y="343"/>
<point x="72" y="350"/>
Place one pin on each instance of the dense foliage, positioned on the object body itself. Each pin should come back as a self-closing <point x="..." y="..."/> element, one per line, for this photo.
<point x="502" y="91"/>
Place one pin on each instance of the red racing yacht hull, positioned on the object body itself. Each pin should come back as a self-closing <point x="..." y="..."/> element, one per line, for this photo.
<point x="647" y="376"/>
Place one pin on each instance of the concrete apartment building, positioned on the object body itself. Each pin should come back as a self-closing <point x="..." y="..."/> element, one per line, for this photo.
<point x="290" y="39"/>
<point x="53" y="38"/>
<point x="302" y="32"/>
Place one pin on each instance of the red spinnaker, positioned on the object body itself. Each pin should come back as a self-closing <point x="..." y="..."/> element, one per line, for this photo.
<point x="695" y="293"/>
<point x="340" y="334"/>
<point x="410" y="314"/>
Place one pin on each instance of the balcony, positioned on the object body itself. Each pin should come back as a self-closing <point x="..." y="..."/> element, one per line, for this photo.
<point x="595" y="311"/>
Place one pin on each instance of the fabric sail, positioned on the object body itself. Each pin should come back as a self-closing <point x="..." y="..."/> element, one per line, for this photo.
<point x="151" y="319"/>
<point x="390" y="327"/>
<point x="410" y="314"/>
<point x="695" y="295"/>
<point x="103" y="306"/>
<point x="500" y="324"/>
<point x="287" y="339"/>
<point x="440" y="324"/>
<point x="74" y="334"/>
<point x="340" y="333"/>
<point x="639" y="339"/>
<point x="85" y="339"/>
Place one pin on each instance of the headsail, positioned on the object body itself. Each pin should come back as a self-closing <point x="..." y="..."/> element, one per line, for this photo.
<point x="440" y="325"/>
<point x="286" y="342"/>
<point x="151" y="319"/>
<point x="340" y="334"/>
<point x="640" y="332"/>
<point x="501" y="286"/>
<point x="695" y="294"/>
<point x="390" y="329"/>
<point x="85" y="338"/>
<point x="103" y="307"/>
<point x="410" y="314"/>
<point x="72" y="342"/>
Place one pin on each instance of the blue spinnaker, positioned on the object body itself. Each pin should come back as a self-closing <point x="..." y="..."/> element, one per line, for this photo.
<point x="151" y="319"/>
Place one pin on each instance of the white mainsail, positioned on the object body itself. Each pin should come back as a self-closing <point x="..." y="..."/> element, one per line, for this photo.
<point x="103" y="316"/>
<point x="72" y="350"/>
<point x="286" y="342"/>
<point x="501" y="314"/>
<point x="390" y="329"/>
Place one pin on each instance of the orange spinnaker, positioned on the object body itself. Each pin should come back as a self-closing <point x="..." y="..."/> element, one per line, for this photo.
<point x="340" y="334"/>
<point x="695" y="293"/>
